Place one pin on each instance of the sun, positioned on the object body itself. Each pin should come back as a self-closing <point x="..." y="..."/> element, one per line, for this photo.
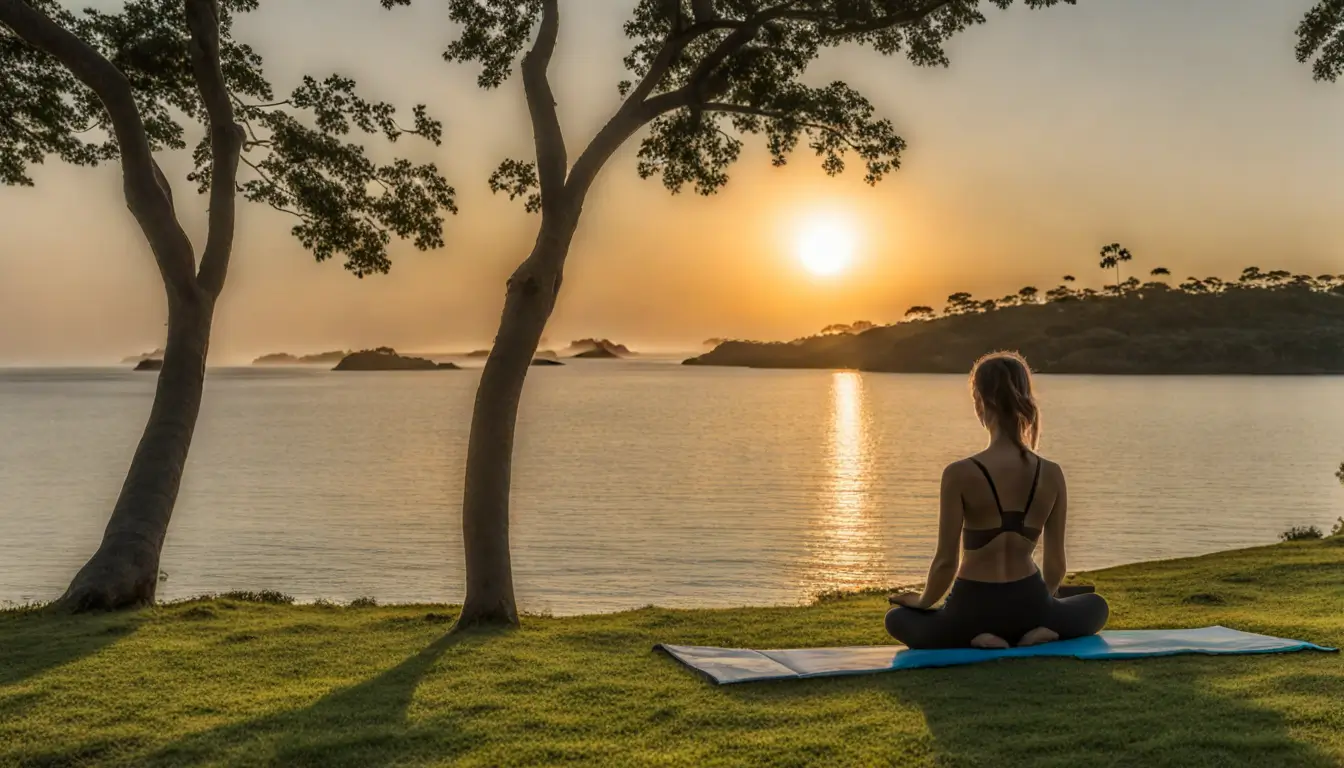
<point x="826" y="245"/>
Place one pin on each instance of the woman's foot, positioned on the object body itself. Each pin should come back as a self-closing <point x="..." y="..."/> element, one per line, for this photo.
<point x="1038" y="636"/>
<point x="989" y="642"/>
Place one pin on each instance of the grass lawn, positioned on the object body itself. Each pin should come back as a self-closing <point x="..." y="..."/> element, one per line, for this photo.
<point x="227" y="682"/>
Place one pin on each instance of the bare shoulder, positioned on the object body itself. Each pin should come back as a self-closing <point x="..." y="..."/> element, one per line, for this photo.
<point x="959" y="471"/>
<point x="1051" y="471"/>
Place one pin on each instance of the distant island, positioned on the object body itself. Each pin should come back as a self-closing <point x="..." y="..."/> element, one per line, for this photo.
<point x="387" y="359"/>
<point x="155" y="355"/>
<point x="478" y="353"/>
<point x="545" y="361"/>
<point x="1264" y="323"/>
<point x="149" y="364"/>
<point x="284" y="358"/>
<point x="597" y="349"/>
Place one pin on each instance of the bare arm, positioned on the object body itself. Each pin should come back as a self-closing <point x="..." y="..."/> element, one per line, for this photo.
<point x="943" y="570"/>
<point x="1055" y="561"/>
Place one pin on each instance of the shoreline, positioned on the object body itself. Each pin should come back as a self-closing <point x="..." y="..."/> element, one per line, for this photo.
<point x="282" y="599"/>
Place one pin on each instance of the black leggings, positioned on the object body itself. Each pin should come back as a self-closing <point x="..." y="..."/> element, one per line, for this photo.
<point x="1008" y="610"/>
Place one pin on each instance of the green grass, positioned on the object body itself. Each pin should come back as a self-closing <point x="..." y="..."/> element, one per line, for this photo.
<point x="228" y="681"/>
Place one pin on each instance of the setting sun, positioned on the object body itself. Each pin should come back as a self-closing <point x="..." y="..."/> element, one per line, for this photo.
<point x="826" y="246"/>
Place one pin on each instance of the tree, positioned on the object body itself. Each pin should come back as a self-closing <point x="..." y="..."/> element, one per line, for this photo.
<point x="1069" y="278"/>
<point x="1160" y="272"/>
<point x="1112" y="256"/>
<point x="960" y="303"/>
<point x="1028" y="294"/>
<point x="1062" y="293"/>
<point x="93" y="87"/>
<point x="703" y="74"/>
<point x="1320" y="40"/>
<point x="1251" y="276"/>
<point x="1276" y="278"/>
<point x="919" y="312"/>
<point x="1303" y="282"/>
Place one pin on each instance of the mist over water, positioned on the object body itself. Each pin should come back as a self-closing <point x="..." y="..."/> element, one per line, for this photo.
<point x="641" y="482"/>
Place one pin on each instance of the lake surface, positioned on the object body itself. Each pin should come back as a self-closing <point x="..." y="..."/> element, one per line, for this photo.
<point x="641" y="482"/>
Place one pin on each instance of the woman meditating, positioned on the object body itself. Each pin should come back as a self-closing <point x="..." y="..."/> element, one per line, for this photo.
<point x="995" y="505"/>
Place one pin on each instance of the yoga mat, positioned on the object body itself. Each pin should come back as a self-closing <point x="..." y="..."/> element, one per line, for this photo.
<point x="743" y="665"/>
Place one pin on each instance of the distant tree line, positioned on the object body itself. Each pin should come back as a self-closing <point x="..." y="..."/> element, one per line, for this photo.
<point x="1112" y="257"/>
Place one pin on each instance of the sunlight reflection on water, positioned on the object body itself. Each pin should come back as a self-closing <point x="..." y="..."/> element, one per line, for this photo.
<point x="846" y="550"/>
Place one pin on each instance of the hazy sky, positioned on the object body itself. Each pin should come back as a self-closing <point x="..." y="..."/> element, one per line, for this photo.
<point x="1184" y="129"/>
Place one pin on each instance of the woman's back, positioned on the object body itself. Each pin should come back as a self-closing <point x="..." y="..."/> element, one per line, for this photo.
<point x="1007" y="500"/>
<point x="993" y="508"/>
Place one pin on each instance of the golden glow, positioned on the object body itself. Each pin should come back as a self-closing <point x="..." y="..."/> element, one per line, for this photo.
<point x="826" y="245"/>
<point x="847" y="552"/>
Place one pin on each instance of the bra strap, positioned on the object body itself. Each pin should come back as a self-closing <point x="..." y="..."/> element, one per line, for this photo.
<point x="1036" y="479"/>
<point x="992" y="488"/>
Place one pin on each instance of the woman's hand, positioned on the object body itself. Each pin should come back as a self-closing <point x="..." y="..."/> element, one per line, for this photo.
<point x="908" y="600"/>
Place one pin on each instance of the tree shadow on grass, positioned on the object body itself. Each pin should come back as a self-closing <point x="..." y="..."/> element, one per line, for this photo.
<point x="363" y="725"/>
<point x="32" y="643"/>
<point x="1157" y="712"/>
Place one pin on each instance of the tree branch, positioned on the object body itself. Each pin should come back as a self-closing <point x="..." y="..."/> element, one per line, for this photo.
<point x="742" y="109"/>
<point x="145" y="196"/>
<point x="268" y="180"/>
<point x="703" y="10"/>
<point x="667" y="56"/>
<point x="638" y="108"/>
<point x="226" y="142"/>
<point x="164" y="185"/>
<point x="879" y="23"/>
<point x="552" y="160"/>
<point x="745" y="32"/>
<point x="621" y="127"/>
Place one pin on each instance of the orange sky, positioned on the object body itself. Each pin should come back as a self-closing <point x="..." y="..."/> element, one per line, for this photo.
<point x="1185" y="130"/>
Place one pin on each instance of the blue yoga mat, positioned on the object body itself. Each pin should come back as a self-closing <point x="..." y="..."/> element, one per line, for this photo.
<point x="742" y="665"/>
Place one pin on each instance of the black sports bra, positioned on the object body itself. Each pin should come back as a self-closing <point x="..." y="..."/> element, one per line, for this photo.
<point x="1009" y="522"/>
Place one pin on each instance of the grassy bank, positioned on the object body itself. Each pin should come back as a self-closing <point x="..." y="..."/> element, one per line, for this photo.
<point x="232" y="682"/>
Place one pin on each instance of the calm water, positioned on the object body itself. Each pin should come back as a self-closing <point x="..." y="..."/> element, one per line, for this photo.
<point x="640" y="483"/>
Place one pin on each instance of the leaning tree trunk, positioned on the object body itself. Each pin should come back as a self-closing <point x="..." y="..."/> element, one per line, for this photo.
<point x="528" y="304"/>
<point x="124" y="572"/>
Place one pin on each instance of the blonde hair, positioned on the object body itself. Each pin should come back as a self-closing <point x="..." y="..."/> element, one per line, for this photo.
<point x="1001" y="382"/>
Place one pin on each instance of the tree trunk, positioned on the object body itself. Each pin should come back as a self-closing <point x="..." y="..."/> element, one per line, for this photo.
<point x="124" y="572"/>
<point x="531" y="295"/>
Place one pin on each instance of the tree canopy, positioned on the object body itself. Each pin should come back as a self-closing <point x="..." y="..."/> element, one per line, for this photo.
<point x="1320" y="40"/>
<point x="300" y="155"/>
<point x="704" y="73"/>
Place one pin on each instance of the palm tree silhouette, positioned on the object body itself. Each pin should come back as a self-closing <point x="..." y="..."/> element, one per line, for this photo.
<point x="1112" y="256"/>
